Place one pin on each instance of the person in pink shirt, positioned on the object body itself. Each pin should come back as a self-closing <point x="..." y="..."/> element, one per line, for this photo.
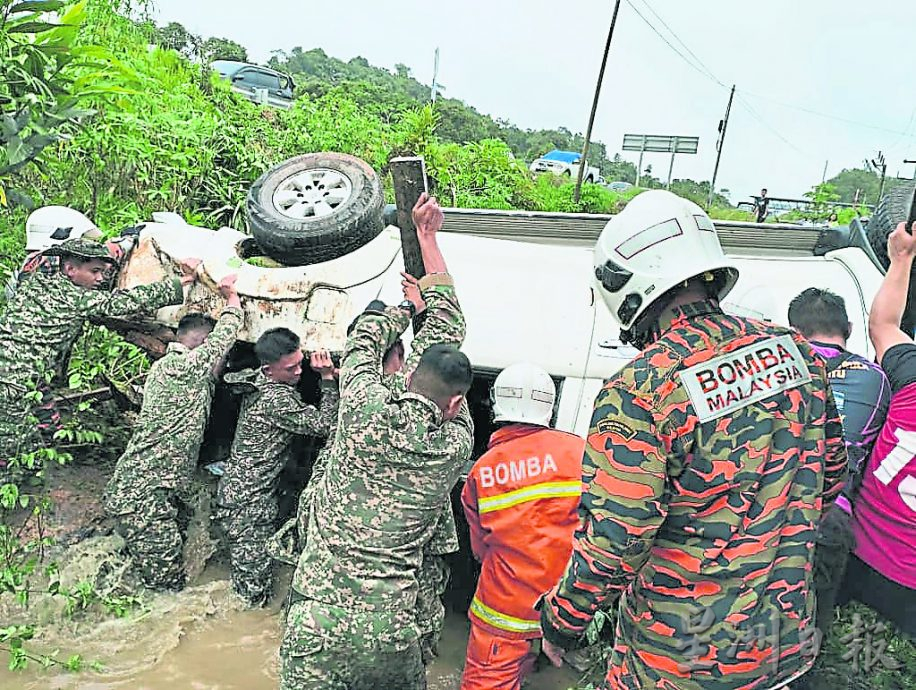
<point x="882" y="574"/>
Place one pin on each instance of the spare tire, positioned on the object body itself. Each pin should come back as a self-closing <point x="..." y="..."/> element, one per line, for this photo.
<point x="893" y="209"/>
<point x="315" y="207"/>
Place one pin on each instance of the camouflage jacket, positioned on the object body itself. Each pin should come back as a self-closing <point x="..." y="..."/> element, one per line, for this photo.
<point x="392" y="465"/>
<point x="271" y="414"/>
<point x="708" y="463"/>
<point x="47" y="313"/>
<point x="162" y="453"/>
<point x="444" y="324"/>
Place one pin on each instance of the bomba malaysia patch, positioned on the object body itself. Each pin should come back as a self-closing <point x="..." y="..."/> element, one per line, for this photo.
<point x="753" y="373"/>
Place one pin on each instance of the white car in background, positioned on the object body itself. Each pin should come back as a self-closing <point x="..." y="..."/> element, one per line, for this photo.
<point x="565" y="163"/>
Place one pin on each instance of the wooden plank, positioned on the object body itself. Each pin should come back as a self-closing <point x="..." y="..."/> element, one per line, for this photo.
<point x="409" y="177"/>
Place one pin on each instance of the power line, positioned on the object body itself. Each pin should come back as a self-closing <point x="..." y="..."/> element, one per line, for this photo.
<point x="698" y="65"/>
<point x="829" y="116"/>
<point x="677" y="38"/>
<point x="753" y="113"/>
<point x="683" y="57"/>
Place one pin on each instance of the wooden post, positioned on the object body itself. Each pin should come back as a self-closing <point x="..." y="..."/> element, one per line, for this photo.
<point x="409" y="177"/>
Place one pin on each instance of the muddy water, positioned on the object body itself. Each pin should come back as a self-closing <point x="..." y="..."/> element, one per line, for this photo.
<point x="202" y="639"/>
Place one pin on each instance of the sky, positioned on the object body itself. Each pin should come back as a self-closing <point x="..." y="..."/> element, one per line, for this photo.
<point x="819" y="82"/>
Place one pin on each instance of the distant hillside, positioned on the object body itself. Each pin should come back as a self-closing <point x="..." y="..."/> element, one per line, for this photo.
<point x="373" y="87"/>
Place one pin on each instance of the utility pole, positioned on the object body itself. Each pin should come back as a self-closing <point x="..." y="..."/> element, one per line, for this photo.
<point x="909" y="161"/>
<point x="591" y="118"/>
<point x="824" y="176"/>
<point x="880" y="164"/>
<point x="433" y="89"/>
<point x="723" y="126"/>
<point x="671" y="165"/>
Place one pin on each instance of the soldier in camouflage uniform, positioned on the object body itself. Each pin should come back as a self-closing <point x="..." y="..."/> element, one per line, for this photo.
<point x="40" y="324"/>
<point x="272" y="413"/>
<point x="49" y="227"/>
<point x="709" y="461"/>
<point x="394" y="460"/>
<point x="434" y="573"/>
<point x="149" y="493"/>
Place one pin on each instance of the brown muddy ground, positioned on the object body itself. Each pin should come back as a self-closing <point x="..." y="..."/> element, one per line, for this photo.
<point x="200" y="639"/>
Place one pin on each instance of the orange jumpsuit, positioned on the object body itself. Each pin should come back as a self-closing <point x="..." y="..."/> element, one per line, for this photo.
<point x="521" y="500"/>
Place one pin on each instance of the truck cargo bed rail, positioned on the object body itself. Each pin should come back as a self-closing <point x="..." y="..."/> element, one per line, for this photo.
<point x="737" y="237"/>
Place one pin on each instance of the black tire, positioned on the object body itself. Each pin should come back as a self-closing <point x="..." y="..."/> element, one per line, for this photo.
<point x="892" y="210"/>
<point x="313" y="239"/>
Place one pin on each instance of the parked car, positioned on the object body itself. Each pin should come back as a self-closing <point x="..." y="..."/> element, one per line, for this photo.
<point x="619" y="186"/>
<point x="259" y="84"/>
<point x="565" y="163"/>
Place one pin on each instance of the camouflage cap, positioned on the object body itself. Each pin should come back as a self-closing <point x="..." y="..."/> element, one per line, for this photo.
<point x="86" y="249"/>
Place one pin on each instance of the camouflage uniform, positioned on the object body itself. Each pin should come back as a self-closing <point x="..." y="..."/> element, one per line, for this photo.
<point x="151" y="483"/>
<point x="444" y="324"/>
<point x="700" y="511"/>
<point x="352" y="623"/>
<point x="271" y="414"/>
<point x="40" y="324"/>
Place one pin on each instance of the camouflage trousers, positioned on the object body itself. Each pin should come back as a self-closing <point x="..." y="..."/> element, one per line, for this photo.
<point x="250" y="528"/>
<point x="432" y="578"/>
<point x="332" y="648"/>
<point x="153" y="535"/>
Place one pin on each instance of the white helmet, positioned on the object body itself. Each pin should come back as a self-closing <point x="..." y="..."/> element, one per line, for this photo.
<point x="657" y="242"/>
<point x="523" y="393"/>
<point x="51" y="225"/>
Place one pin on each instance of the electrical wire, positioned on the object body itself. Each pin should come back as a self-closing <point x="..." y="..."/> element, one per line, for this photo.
<point x="754" y="114"/>
<point x="677" y="38"/>
<point x="698" y="65"/>
<point x="829" y="116"/>
<point x="700" y="70"/>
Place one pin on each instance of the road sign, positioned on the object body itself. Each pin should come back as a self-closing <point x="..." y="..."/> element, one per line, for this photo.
<point x="655" y="143"/>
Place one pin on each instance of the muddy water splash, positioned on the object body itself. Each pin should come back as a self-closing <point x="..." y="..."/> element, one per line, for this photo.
<point x="204" y="639"/>
<point x="200" y="639"/>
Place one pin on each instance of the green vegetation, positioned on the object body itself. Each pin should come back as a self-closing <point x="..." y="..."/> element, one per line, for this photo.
<point x="92" y="117"/>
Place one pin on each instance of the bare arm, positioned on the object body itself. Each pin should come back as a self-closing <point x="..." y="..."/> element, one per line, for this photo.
<point x="890" y="301"/>
<point x="428" y="218"/>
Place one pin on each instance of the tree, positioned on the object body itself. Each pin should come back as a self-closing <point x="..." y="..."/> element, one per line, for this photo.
<point x="403" y="71"/>
<point x="865" y="183"/>
<point x="222" y="49"/>
<point x="37" y="104"/>
<point x="174" y="36"/>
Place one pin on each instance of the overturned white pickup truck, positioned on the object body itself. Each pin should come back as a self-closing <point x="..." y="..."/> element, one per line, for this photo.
<point x="524" y="279"/>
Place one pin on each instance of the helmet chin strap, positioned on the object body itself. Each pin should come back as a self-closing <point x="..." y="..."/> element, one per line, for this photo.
<point x="646" y="329"/>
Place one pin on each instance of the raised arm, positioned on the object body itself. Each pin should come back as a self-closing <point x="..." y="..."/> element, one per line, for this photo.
<point x="435" y="292"/>
<point x="890" y="301"/>
<point x="223" y="336"/>
<point x="372" y="335"/>
<point x="428" y="219"/>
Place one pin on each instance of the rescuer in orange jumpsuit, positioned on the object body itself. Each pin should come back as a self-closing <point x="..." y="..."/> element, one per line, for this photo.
<point x="521" y="501"/>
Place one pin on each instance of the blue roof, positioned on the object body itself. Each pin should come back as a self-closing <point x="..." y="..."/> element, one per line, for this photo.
<point x="563" y="156"/>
